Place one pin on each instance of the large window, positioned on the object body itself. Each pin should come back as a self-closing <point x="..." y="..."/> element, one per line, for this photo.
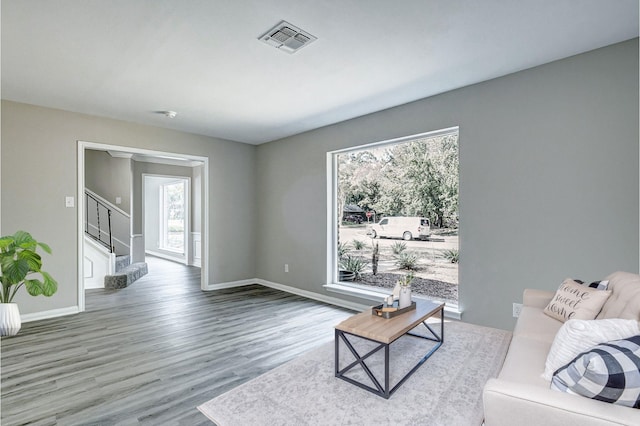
<point x="172" y="215"/>
<point x="396" y="214"/>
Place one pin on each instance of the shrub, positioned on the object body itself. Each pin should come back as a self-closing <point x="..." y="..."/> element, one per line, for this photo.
<point x="398" y="247"/>
<point x="353" y="264"/>
<point x="452" y="255"/>
<point x="358" y="245"/>
<point x="342" y="250"/>
<point x="407" y="260"/>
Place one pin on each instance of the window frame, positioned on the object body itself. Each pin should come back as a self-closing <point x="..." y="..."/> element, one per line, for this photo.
<point x="332" y="282"/>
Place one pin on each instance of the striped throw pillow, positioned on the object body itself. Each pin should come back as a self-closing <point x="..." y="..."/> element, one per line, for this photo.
<point x="600" y="285"/>
<point x="609" y="372"/>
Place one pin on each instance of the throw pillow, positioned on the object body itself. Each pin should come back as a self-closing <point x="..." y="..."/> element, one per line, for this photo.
<point x="600" y="285"/>
<point x="609" y="372"/>
<point x="575" y="301"/>
<point x="577" y="336"/>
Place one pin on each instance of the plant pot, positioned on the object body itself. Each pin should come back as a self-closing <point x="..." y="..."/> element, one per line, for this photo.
<point x="405" y="297"/>
<point x="346" y="276"/>
<point x="10" y="322"/>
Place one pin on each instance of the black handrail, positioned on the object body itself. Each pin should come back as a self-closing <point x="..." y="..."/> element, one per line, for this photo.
<point x="87" y="230"/>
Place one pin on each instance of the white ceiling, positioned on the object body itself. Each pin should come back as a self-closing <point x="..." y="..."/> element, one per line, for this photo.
<point x="128" y="59"/>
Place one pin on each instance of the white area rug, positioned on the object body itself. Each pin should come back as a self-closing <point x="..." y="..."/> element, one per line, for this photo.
<point x="445" y="390"/>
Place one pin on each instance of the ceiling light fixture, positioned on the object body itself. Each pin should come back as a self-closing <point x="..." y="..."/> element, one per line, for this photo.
<point x="287" y="38"/>
<point x="170" y="114"/>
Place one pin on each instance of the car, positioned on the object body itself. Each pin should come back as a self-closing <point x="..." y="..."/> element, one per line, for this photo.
<point x="403" y="227"/>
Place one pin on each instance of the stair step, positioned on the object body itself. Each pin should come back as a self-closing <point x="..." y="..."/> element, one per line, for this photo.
<point x="126" y="276"/>
<point x="122" y="261"/>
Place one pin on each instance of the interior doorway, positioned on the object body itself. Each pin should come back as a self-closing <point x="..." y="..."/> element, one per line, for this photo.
<point x="196" y="247"/>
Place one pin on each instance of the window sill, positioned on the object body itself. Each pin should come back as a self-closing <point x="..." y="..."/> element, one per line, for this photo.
<point x="450" y="310"/>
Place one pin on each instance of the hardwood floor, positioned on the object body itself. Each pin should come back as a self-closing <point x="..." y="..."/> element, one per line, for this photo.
<point x="150" y="353"/>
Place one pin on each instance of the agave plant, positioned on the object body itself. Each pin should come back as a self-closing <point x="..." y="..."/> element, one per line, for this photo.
<point x="353" y="264"/>
<point x="407" y="260"/>
<point x="21" y="265"/>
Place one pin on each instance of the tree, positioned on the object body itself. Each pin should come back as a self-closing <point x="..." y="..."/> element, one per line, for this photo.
<point x="417" y="178"/>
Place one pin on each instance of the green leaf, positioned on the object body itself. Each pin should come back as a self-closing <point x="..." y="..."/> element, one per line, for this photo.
<point x="33" y="259"/>
<point x="45" y="247"/>
<point x="34" y="287"/>
<point x="50" y="285"/>
<point x="14" y="269"/>
<point x="6" y="243"/>
<point x="23" y="238"/>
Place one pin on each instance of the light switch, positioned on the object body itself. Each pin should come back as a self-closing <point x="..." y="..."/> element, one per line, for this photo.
<point x="69" y="201"/>
<point x="118" y="200"/>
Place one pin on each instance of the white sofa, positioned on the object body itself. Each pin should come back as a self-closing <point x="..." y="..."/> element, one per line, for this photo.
<point x="520" y="396"/>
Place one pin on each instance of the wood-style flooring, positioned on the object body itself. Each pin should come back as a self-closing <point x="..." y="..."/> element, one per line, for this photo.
<point x="152" y="352"/>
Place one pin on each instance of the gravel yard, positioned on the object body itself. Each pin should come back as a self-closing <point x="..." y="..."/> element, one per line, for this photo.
<point x="435" y="277"/>
<point x="438" y="290"/>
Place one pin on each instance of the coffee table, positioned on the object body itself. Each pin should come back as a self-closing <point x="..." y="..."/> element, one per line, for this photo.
<point x="384" y="332"/>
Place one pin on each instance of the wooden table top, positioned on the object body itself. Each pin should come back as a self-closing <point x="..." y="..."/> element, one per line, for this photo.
<point x="383" y="330"/>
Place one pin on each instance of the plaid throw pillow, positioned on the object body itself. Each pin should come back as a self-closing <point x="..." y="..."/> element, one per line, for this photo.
<point x="600" y="285"/>
<point x="609" y="372"/>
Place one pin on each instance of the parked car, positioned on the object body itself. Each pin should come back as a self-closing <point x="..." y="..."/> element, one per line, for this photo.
<point x="403" y="227"/>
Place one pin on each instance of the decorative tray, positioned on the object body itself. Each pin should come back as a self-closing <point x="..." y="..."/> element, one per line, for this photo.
<point x="391" y="311"/>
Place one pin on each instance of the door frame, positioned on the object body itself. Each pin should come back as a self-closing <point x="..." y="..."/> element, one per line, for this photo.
<point x="187" y="202"/>
<point x="84" y="145"/>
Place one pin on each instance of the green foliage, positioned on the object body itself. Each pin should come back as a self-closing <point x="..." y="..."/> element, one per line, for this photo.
<point x="418" y="178"/>
<point x="342" y="250"/>
<point x="406" y="280"/>
<point x="353" y="264"/>
<point x="398" y="247"/>
<point x="407" y="260"/>
<point x="358" y="245"/>
<point x="452" y="255"/>
<point x="18" y="261"/>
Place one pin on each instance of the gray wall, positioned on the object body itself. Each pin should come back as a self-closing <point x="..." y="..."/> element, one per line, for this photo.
<point x="548" y="180"/>
<point x="108" y="177"/>
<point x="44" y="141"/>
<point x="548" y="183"/>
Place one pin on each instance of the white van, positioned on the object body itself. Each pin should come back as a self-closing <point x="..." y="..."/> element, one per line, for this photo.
<point x="406" y="228"/>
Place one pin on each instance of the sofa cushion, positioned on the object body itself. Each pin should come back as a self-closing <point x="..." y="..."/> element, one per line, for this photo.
<point x="524" y="362"/>
<point x="609" y="372"/>
<point x="534" y="324"/>
<point x="575" y="301"/>
<point x="625" y="298"/>
<point x="577" y="336"/>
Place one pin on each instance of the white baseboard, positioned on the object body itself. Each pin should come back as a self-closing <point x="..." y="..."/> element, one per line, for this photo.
<point x="230" y="284"/>
<point x="177" y="258"/>
<point x="293" y="290"/>
<point x="49" y="314"/>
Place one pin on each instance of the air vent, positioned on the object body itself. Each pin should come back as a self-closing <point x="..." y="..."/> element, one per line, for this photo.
<point x="287" y="37"/>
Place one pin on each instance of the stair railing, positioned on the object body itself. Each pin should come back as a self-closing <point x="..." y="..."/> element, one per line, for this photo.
<point x="102" y="212"/>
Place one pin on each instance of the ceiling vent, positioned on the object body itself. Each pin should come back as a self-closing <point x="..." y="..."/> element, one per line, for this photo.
<point x="287" y="37"/>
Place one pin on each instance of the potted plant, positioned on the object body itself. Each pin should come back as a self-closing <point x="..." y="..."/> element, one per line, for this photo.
<point x="20" y="265"/>
<point x="405" y="290"/>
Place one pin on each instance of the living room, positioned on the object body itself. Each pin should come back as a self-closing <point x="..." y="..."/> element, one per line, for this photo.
<point x="548" y="171"/>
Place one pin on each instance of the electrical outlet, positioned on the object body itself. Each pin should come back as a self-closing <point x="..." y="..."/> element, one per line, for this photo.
<point x="517" y="307"/>
<point x="286" y="267"/>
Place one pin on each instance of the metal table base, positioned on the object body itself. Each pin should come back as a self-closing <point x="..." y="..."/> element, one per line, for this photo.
<point x="384" y="391"/>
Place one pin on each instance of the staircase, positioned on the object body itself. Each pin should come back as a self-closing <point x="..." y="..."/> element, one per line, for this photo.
<point x="126" y="273"/>
<point x="108" y="227"/>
